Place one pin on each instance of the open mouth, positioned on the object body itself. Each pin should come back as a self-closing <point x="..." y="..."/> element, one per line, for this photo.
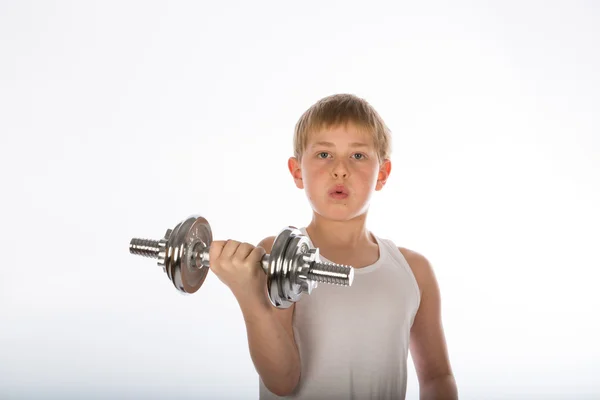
<point x="338" y="195"/>
<point x="339" y="192"/>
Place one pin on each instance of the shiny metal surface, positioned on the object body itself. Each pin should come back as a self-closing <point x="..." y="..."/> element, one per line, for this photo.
<point x="276" y="259"/>
<point x="293" y="267"/>
<point x="193" y="232"/>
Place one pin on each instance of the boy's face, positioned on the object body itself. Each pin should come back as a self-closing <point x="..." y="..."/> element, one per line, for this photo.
<point x="340" y="158"/>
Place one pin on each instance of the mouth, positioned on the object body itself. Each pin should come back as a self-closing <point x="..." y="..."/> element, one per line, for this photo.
<point x="339" y="192"/>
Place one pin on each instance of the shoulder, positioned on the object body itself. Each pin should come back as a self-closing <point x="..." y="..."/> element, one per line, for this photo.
<point x="421" y="268"/>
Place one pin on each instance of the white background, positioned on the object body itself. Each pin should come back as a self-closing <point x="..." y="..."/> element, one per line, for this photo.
<point x="120" y="119"/>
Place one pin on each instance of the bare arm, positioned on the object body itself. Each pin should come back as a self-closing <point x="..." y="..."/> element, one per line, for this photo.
<point x="271" y="339"/>
<point x="427" y="342"/>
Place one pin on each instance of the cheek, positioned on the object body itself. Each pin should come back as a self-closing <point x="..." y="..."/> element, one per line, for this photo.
<point x="367" y="177"/>
<point x="315" y="173"/>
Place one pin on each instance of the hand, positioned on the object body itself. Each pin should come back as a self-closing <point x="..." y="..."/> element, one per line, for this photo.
<point x="238" y="265"/>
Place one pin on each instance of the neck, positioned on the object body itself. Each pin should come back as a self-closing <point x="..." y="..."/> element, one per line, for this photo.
<point x="339" y="234"/>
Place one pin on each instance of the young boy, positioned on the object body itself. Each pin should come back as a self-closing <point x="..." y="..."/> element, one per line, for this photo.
<point x="342" y="342"/>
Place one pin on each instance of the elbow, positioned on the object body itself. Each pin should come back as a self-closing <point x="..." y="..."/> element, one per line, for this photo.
<point x="282" y="391"/>
<point x="440" y="387"/>
<point x="284" y="387"/>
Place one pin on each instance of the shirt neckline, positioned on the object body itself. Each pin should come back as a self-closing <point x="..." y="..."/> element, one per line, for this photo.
<point x="357" y="271"/>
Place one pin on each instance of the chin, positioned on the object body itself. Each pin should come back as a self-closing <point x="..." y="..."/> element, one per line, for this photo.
<point x="337" y="214"/>
<point x="337" y="210"/>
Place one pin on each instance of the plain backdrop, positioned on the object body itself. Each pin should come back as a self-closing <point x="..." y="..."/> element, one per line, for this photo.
<point x="120" y="119"/>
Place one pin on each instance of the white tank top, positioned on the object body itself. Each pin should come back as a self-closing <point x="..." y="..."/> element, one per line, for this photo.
<point x="353" y="341"/>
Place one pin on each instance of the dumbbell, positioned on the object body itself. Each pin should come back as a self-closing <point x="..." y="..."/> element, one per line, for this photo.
<point x="293" y="267"/>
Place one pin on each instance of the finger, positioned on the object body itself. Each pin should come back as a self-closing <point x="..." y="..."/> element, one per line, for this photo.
<point x="243" y="251"/>
<point x="230" y="248"/>
<point x="257" y="254"/>
<point x="216" y="248"/>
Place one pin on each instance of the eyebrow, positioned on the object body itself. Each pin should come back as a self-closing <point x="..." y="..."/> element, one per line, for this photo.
<point x="329" y="144"/>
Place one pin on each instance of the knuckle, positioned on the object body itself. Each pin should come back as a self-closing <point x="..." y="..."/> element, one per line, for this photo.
<point x="215" y="250"/>
<point x="244" y="247"/>
<point x="243" y="250"/>
<point x="228" y="256"/>
<point x="257" y="253"/>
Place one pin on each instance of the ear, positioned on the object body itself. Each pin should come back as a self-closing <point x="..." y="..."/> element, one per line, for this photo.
<point x="384" y="172"/>
<point x="296" y="171"/>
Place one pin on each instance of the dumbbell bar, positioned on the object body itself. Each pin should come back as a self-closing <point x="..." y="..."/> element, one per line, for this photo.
<point x="293" y="267"/>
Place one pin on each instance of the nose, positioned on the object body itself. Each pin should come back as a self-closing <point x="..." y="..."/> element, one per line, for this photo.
<point x="339" y="170"/>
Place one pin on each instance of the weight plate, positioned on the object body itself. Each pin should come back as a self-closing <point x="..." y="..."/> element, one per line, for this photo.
<point x="185" y="276"/>
<point x="170" y="250"/>
<point x="276" y="259"/>
<point x="192" y="277"/>
<point x="290" y="288"/>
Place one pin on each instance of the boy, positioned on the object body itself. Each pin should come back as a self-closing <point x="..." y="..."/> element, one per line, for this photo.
<point x="342" y="342"/>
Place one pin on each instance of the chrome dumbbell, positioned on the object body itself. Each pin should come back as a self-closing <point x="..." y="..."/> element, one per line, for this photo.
<point x="293" y="267"/>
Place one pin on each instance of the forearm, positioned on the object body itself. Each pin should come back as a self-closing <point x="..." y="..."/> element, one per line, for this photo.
<point x="273" y="351"/>
<point x="440" y="388"/>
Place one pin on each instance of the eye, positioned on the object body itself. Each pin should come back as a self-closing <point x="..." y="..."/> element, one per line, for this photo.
<point x="321" y="153"/>
<point x="359" y="156"/>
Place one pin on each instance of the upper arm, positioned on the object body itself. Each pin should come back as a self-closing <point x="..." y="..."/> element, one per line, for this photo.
<point x="284" y="316"/>
<point x="427" y="341"/>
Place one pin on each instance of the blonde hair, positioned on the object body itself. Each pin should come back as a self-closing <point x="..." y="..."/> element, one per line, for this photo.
<point x="341" y="109"/>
